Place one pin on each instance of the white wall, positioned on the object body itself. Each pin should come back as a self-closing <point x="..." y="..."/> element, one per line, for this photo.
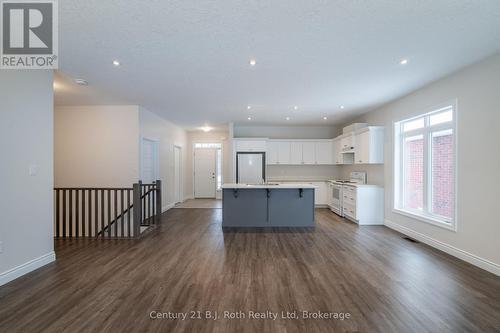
<point x="221" y="137"/>
<point x="96" y="146"/>
<point x="26" y="202"/>
<point x="477" y="90"/>
<point x="286" y="132"/>
<point x="168" y="135"/>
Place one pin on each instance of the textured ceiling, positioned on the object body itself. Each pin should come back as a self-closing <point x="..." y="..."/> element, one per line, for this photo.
<point x="188" y="60"/>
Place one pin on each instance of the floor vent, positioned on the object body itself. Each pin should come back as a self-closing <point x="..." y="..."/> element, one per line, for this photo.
<point x="411" y="240"/>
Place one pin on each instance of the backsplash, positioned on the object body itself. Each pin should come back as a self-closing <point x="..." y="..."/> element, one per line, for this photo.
<point x="374" y="172"/>
<point x="303" y="172"/>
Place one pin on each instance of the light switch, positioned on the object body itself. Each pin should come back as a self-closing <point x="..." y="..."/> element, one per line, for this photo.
<point x="1" y="247"/>
<point x="33" y="170"/>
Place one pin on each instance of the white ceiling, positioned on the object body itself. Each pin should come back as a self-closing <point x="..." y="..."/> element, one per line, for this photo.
<point x="187" y="60"/>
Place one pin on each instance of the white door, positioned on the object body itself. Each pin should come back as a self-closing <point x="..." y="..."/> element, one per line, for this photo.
<point x="149" y="161"/>
<point x="177" y="174"/>
<point x="204" y="173"/>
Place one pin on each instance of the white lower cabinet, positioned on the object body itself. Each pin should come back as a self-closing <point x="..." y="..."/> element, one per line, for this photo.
<point x="363" y="204"/>
<point x="320" y="193"/>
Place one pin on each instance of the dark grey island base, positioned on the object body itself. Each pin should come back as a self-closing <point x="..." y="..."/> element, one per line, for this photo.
<point x="275" y="206"/>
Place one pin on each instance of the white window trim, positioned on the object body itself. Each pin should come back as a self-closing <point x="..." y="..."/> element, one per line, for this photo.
<point x="444" y="223"/>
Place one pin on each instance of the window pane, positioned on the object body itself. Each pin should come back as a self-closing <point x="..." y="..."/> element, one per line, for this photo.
<point x="413" y="124"/>
<point x="413" y="195"/>
<point x="441" y="117"/>
<point x="443" y="174"/>
<point x="219" y="169"/>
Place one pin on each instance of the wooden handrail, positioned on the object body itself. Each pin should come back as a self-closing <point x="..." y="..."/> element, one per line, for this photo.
<point x="93" y="211"/>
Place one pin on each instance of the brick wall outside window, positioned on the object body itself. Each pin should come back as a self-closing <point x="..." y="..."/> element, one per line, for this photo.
<point x="443" y="187"/>
<point x="414" y="182"/>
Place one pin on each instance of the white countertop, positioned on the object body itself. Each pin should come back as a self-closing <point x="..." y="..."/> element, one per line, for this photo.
<point x="267" y="186"/>
<point x="354" y="184"/>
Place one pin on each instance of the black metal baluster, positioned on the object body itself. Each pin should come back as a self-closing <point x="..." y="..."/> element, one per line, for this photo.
<point x="128" y="214"/>
<point x="102" y="214"/>
<point x="109" y="213"/>
<point x="58" y="217"/>
<point x="77" y="212"/>
<point x="122" y="204"/>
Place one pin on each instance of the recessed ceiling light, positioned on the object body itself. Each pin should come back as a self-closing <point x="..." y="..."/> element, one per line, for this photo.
<point x="81" y="82"/>
<point x="295" y="107"/>
<point x="342" y="107"/>
<point x="287" y="118"/>
<point x="249" y="118"/>
<point x="116" y="63"/>
<point x="206" y="128"/>
<point x="403" y="61"/>
<point x="253" y="62"/>
<point x="325" y="118"/>
<point x="249" y="107"/>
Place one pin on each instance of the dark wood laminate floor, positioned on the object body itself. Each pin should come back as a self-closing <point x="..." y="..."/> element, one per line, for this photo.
<point x="385" y="283"/>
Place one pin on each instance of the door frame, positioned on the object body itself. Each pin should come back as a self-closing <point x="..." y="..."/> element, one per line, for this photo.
<point x="156" y="146"/>
<point x="222" y="150"/>
<point x="181" y="182"/>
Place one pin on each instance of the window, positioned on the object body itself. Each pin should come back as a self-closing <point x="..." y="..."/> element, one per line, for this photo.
<point x="219" y="168"/>
<point x="208" y="145"/>
<point x="424" y="171"/>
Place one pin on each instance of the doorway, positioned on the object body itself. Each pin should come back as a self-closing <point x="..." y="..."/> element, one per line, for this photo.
<point x="149" y="160"/>
<point x="204" y="173"/>
<point x="207" y="169"/>
<point x="177" y="174"/>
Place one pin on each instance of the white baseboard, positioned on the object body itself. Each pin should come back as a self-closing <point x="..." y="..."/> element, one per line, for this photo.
<point x="451" y="250"/>
<point x="167" y="207"/>
<point x="27" y="267"/>
<point x="187" y="197"/>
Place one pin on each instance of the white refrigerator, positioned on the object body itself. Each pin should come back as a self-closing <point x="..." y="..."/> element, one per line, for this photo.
<point x="250" y="168"/>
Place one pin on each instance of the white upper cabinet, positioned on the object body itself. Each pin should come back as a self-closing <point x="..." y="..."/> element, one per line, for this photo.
<point x="324" y="152"/>
<point x="272" y="152"/>
<point x="337" y="152"/>
<point x="309" y="152"/>
<point x="278" y="152"/>
<point x="296" y="152"/>
<point x="250" y="145"/>
<point x="369" y="145"/>
<point x="284" y="152"/>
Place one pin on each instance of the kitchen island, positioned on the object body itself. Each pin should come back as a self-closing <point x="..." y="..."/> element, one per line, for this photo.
<point x="268" y="205"/>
